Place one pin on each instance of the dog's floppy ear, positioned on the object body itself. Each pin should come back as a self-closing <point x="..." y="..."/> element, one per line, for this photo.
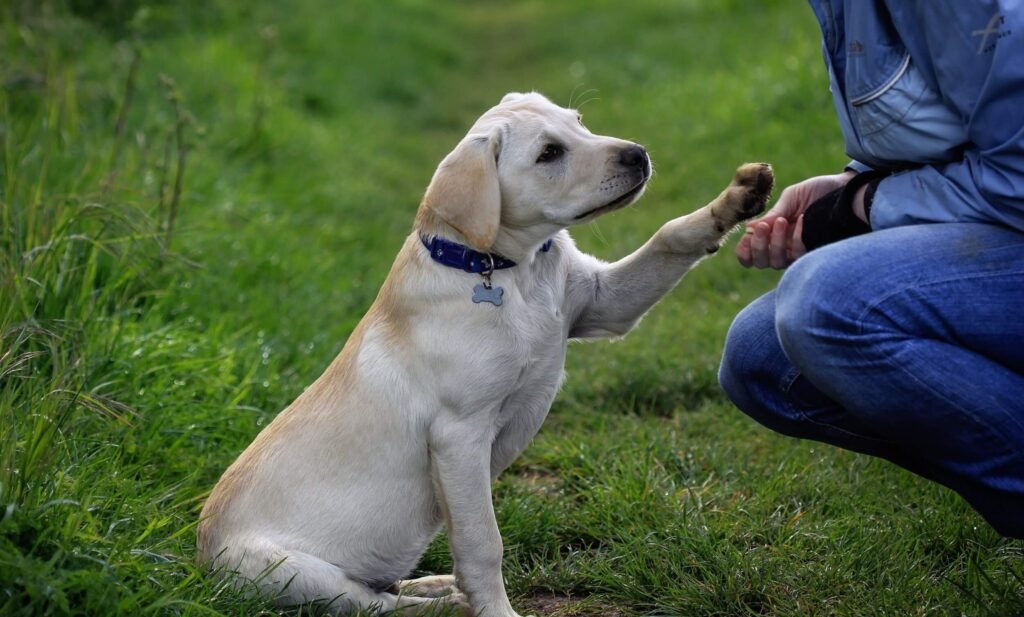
<point x="464" y="191"/>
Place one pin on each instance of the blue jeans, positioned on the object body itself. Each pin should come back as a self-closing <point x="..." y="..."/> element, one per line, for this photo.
<point x="905" y="343"/>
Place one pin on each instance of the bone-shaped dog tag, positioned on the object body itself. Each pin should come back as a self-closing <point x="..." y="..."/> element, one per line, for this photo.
<point x="482" y="293"/>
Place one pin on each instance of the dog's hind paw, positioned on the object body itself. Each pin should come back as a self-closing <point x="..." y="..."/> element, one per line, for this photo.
<point x="460" y="602"/>
<point x="429" y="586"/>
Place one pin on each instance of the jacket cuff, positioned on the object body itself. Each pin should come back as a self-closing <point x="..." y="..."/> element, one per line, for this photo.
<point x="856" y="166"/>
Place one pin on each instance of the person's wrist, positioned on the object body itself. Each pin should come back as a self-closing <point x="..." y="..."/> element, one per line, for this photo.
<point x="841" y="214"/>
<point x="868" y="197"/>
<point x="863" y="198"/>
<point x="858" y="204"/>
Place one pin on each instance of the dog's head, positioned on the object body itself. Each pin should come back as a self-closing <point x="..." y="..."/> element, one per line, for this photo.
<point x="530" y="167"/>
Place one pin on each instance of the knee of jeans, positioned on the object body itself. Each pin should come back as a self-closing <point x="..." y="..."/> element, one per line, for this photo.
<point x="733" y="374"/>
<point x="811" y="311"/>
<point x="748" y="357"/>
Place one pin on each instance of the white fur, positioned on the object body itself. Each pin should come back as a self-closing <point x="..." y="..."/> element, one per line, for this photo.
<point x="434" y="395"/>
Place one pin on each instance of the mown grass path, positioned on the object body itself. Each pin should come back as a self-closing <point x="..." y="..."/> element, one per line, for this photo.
<point x="140" y="350"/>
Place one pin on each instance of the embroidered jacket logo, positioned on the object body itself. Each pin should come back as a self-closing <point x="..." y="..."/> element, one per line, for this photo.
<point x="992" y="32"/>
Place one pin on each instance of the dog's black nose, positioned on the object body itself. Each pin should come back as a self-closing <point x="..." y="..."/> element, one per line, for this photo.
<point x="633" y="156"/>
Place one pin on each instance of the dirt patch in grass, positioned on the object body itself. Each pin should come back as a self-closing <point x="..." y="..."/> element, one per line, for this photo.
<point x="555" y="605"/>
<point x="538" y="481"/>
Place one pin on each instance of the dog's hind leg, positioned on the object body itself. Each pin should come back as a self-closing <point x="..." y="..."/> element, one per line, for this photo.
<point x="429" y="586"/>
<point x="290" y="577"/>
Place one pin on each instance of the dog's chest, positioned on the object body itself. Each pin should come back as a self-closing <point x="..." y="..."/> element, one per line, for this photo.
<point x="507" y="358"/>
<point x="533" y="319"/>
<point x="533" y="334"/>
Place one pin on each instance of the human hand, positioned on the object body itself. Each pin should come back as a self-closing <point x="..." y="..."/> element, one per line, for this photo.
<point x="773" y="241"/>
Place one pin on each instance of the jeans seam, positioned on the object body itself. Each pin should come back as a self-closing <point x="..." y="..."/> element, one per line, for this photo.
<point x="876" y="307"/>
<point x="786" y="383"/>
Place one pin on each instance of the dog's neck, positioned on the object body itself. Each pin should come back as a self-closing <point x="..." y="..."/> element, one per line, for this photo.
<point x="518" y="245"/>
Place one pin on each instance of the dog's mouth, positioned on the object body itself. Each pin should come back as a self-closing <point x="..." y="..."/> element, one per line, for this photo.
<point x="619" y="202"/>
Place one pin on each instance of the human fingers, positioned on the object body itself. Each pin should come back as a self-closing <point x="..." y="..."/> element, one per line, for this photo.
<point x="777" y="244"/>
<point x="759" y="245"/>
<point x="743" y="249"/>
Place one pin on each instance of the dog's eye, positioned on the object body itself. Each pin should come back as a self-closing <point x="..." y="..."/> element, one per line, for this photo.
<point x="550" y="153"/>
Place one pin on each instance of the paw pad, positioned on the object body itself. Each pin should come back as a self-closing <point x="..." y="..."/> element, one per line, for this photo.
<point x="758" y="179"/>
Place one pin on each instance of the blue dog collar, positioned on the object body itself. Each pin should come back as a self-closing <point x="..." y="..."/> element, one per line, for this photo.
<point x="455" y="255"/>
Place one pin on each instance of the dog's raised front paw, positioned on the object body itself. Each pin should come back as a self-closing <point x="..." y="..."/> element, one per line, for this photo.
<point x="746" y="196"/>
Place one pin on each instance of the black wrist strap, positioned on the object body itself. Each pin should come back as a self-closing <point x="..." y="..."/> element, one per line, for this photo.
<point x="831" y="217"/>
<point x="869" y="197"/>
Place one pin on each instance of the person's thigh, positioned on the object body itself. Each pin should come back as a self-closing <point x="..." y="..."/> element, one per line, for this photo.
<point x="916" y="332"/>
<point x="960" y="283"/>
<point x="932" y="308"/>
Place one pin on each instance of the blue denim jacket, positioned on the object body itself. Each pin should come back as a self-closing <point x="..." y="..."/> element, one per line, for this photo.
<point x="937" y="85"/>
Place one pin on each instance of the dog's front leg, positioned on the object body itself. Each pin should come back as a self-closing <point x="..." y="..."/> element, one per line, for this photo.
<point x="460" y="457"/>
<point x="610" y="298"/>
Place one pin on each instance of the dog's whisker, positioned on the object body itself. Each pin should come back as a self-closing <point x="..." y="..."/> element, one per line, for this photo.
<point x="572" y="95"/>
<point x="583" y="94"/>
<point x="593" y="98"/>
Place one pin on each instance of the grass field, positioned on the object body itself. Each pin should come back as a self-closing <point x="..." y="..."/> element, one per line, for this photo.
<point x="200" y="200"/>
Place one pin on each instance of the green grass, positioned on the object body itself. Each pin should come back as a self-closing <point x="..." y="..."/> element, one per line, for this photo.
<point x="138" y="358"/>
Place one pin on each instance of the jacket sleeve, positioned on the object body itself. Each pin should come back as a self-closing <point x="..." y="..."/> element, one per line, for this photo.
<point x="972" y="51"/>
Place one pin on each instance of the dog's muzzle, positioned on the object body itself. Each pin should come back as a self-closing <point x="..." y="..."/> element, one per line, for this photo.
<point x="636" y="165"/>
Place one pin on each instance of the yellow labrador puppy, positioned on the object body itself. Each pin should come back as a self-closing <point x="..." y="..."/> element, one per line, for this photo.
<point x="453" y="369"/>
